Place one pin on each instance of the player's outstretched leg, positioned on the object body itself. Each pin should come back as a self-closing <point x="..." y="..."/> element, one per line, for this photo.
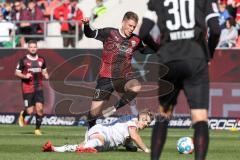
<point x="159" y="135"/>
<point x="132" y="87"/>
<point x="201" y="140"/>
<point x="94" y="112"/>
<point x="125" y="99"/>
<point x="47" y="147"/>
<point x="89" y="146"/>
<point x="91" y="120"/>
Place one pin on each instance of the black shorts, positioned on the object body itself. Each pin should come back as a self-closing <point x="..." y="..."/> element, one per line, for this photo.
<point x="105" y="86"/>
<point x="191" y="76"/>
<point x="30" y="99"/>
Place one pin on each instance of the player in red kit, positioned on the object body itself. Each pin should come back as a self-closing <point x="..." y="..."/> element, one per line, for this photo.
<point x="31" y="69"/>
<point x="116" y="72"/>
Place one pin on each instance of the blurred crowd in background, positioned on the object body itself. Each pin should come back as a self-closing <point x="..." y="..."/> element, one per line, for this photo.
<point x="23" y="20"/>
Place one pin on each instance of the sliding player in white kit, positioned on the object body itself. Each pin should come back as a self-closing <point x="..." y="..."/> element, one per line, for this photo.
<point x="106" y="137"/>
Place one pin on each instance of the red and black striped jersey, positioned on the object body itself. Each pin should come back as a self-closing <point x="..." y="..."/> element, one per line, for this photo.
<point x="118" y="51"/>
<point x="33" y="65"/>
<point x="183" y="25"/>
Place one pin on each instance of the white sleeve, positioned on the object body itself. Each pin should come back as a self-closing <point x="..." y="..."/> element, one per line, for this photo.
<point x="131" y="123"/>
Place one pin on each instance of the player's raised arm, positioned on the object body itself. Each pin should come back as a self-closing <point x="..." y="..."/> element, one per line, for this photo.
<point x="88" y="31"/>
<point x="148" y="22"/>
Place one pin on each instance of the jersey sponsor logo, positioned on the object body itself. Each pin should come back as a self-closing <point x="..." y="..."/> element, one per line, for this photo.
<point x="123" y="47"/>
<point x="34" y="70"/>
<point x="182" y="35"/>
<point x="134" y="43"/>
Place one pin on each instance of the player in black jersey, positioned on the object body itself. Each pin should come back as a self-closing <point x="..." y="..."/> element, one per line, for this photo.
<point x="185" y="51"/>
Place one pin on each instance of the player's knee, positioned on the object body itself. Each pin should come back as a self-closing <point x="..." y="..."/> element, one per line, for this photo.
<point x="136" y="88"/>
<point x="29" y="110"/>
<point x="93" y="113"/>
<point x="39" y="111"/>
<point x="166" y="111"/>
<point x="199" y="115"/>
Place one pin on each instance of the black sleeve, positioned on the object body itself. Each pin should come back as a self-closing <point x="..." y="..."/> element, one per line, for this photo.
<point x="44" y="66"/>
<point x="146" y="49"/>
<point x="144" y="33"/>
<point x="103" y="33"/>
<point x="151" y="5"/>
<point x="20" y="65"/>
<point x="99" y="34"/>
<point x="89" y="32"/>
<point x="212" y="16"/>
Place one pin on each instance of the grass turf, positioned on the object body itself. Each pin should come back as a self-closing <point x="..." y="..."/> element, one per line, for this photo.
<point x="21" y="144"/>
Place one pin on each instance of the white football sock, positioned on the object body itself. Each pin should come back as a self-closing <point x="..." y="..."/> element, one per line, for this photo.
<point x="66" y="148"/>
<point x="93" y="143"/>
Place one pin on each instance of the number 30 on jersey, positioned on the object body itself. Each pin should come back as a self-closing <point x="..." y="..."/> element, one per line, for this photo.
<point x="183" y="13"/>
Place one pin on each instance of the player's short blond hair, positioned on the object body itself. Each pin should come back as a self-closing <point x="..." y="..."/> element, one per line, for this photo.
<point x="130" y="15"/>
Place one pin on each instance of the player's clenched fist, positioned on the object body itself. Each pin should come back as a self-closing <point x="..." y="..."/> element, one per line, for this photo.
<point x="85" y="20"/>
<point x="28" y="75"/>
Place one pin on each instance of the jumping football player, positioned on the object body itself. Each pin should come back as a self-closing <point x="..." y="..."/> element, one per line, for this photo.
<point x="116" y="70"/>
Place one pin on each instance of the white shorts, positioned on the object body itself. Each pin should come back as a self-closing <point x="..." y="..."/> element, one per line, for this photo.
<point x="102" y="130"/>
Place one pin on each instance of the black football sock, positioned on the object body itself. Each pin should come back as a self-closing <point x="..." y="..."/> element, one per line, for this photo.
<point x="159" y="134"/>
<point x="201" y="140"/>
<point x="125" y="99"/>
<point x="38" y="121"/>
<point x="91" y="120"/>
<point x="25" y="113"/>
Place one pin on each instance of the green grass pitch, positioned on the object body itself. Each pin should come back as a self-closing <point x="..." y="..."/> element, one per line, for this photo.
<point x="20" y="144"/>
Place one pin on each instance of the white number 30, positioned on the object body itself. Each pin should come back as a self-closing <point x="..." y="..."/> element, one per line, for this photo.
<point x="179" y="10"/>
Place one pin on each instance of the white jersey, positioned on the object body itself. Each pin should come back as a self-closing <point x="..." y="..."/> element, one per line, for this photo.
<point x="115" y="134"/>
